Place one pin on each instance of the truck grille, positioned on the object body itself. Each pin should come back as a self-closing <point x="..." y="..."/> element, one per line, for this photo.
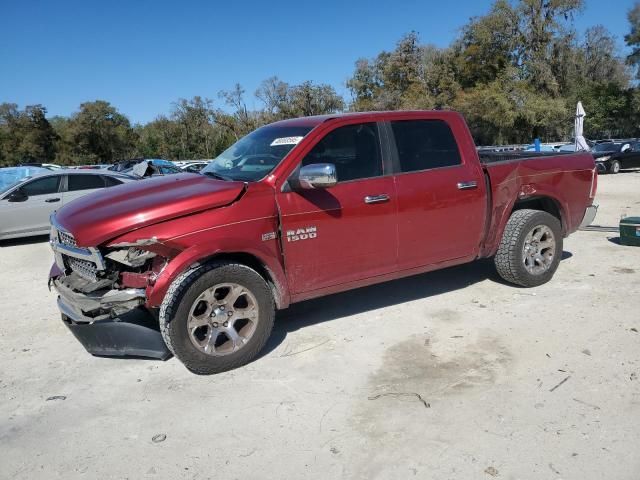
<point x="84" y="268"/>
<point x="66" y="238"/>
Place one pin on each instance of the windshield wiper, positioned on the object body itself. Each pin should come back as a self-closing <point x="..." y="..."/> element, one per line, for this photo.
<point x="218" y="176"/>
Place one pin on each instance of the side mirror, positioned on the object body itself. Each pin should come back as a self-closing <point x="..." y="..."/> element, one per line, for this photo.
<point x="17" y="196"/>
<point x="317" y="175"/>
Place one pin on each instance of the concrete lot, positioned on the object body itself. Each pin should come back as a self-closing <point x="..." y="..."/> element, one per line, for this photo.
<point x="448" y="375"/>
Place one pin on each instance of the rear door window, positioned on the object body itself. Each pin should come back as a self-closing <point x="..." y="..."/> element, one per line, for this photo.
<point x="425" y="144"/>
<point x="84" y="182"/>
<point x="41" y="186"/>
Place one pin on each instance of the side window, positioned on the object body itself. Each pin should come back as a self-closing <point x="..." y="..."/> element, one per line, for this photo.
<point x="425" y="144"/>
<point x="112" y="182"/>
<point x="353" y="149"/>
<point x="84" y="182"/>
<point x="41" y="186"/>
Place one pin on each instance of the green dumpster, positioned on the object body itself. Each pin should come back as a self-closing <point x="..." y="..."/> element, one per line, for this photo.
<point x="630" y="231"/>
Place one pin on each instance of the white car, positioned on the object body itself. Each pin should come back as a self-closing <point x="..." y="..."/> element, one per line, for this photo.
<point x="29" y="195"/>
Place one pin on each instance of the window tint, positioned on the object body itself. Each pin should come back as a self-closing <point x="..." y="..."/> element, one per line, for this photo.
<point x="424" y="144"/>
<point x="112" y="182"/>
<point x="84" y="182"/>
<point x="353" y="149"/>
<point x="41" y="186"/>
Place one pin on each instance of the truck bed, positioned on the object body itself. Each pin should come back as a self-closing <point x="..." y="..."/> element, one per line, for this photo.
<point x="565" y="179"/>
<point x="495" y="157"/>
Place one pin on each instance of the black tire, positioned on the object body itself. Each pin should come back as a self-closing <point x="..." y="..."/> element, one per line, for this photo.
<point x="614" y="167"/>
<point x="175" y="308"/>
<point x="509" y="259"/>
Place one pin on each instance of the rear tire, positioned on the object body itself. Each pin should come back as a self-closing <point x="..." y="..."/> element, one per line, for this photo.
<point x="530" y="249"/>
<point x="217" y="316"/>
<point x="614" y="167"/>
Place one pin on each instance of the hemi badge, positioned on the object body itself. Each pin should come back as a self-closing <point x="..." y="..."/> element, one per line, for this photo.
<point x="268" y="236"/>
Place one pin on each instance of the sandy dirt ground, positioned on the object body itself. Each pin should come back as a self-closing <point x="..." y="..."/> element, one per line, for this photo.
<point x="447" y="375"/>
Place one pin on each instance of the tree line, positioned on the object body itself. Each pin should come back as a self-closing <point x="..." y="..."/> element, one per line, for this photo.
<point x="516" y="73"/>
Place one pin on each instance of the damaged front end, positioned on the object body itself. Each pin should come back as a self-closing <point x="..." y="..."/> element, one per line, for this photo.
<point x="100" y="295"/>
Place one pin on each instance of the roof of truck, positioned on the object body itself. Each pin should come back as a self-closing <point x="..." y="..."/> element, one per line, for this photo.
<point x="315" y="120"/>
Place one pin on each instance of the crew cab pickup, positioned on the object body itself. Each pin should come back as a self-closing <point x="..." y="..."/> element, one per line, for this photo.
<point x="299" y="209"/>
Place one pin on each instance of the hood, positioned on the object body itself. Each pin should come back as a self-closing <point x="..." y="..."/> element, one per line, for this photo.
<point x="610" y="153"/>
<point x="98" y="217"/>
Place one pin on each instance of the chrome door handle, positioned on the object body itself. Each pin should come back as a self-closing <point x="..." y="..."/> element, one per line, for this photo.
<point x="467" y="185"/>
<point x="376" y="198"/>
<point x="52" y="200"/>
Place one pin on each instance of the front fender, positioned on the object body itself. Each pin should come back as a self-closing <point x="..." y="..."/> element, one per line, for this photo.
<point x="203" y="252"/>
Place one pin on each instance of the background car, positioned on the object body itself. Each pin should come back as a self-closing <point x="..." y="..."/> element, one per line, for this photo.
<point x="29" y="195"/>
<point x="194" y="167"/>
<point x="611" y="157"/>
<point x="50" y="166"/>
<point x="152" y="168"/>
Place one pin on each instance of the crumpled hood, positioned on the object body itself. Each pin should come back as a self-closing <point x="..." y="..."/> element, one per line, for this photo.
<point x="100" y="216"/>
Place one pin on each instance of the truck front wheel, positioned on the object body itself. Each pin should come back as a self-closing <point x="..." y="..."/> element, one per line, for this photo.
<point x="217" y="317"/>
<point x="531" y="247"/>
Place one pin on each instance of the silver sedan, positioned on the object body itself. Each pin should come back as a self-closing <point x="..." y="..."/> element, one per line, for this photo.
<point x="29" y="195"/>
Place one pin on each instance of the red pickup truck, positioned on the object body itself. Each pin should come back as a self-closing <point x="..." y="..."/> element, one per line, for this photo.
<point x="299" y="209"/>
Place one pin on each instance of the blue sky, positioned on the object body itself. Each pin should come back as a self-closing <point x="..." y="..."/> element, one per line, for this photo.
<point x="143" y="55"/>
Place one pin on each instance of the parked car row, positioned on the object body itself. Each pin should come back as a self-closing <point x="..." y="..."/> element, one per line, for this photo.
<point x="31" y="192"/>
<point x="29" y="195"/>
<point x="168" y="166"/>
<point x="610" y="156"/>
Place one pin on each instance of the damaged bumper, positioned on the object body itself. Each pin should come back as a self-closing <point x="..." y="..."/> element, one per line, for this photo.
<point x="90" y="307"/>
<point x="589" y="216"/>
<point x="106" y="320"/>
<point x="111" y="324"/>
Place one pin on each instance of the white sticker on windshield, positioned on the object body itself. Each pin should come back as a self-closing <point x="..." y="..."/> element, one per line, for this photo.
<point x="286" y="141"/>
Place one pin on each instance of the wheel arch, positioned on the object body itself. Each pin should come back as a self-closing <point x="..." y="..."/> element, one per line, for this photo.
<point x="544" y="203"/>
<point x="255" y="263"/>
<point x="540" y="201"/>
<point x="272" y="273"/>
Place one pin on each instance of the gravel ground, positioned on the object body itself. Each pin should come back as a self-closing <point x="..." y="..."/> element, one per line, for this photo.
<point x="447" y="375"/>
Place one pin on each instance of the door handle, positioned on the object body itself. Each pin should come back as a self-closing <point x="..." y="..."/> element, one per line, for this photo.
<point x="467" y="185"/>
<point x="52" y="200"/>
<point x="376" y="198"/>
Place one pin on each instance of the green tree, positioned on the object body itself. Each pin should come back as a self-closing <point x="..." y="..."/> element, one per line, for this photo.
<point x="488" y="45"/>
<point x="101" y="134"/>
<point x="632" y="39"/>
<point x="27" y="135"/>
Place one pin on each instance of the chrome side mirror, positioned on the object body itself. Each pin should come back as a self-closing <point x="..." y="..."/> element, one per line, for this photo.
<point x="317" y="175"/>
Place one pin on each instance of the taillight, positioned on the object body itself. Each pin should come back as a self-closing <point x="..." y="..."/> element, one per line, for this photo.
<point x="594" y="183"/>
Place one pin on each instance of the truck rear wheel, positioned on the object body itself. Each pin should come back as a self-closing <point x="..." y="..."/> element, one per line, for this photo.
<point x="217" y="317"/>
<point x="531" y="247"/>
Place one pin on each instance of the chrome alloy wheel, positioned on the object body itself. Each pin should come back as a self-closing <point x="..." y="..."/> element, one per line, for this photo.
<point x="538" y="250"/>
<point x="222" y="319"/>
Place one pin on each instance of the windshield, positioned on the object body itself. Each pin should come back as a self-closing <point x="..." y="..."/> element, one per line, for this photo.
<point x="254" y="156"/>
<point x="607" y="147"/>
<point x="10" y="177"/>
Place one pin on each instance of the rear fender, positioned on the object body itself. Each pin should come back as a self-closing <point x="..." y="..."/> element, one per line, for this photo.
<point x="501" y="217"/>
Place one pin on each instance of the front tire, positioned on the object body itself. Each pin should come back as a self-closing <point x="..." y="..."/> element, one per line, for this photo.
<point x="614" y="167"/>
<point x="530" y="250"/>
<point x="217" y="317"/>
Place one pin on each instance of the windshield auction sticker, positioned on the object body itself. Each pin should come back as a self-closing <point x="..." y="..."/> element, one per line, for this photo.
<point x="286" y="141"/>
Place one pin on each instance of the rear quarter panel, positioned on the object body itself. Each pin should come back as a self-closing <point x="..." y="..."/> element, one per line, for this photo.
<point x="566" y="179"/>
